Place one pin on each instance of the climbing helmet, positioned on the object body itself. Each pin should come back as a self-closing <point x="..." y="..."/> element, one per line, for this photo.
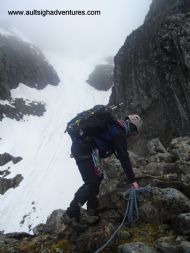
<point x="136" y="120"/>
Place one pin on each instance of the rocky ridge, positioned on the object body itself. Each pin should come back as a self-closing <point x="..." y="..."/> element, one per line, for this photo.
<point x="164" y="211"/>
<point x="151" y="75"/>
<point x="21" y="62"/>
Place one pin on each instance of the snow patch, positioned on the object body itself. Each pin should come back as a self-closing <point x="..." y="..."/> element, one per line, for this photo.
<point x="50" y="176"/>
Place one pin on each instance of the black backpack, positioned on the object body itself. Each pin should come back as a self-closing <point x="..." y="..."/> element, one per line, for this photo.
<point x="90" y="122"/>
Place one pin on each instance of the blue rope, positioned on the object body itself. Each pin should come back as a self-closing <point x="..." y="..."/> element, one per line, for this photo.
<point x="131" y="212"/>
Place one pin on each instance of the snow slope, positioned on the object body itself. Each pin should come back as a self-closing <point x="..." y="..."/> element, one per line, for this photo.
<point x="50" y="175"/>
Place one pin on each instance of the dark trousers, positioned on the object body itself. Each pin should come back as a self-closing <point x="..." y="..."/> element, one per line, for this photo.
<point x="89" y="190"/>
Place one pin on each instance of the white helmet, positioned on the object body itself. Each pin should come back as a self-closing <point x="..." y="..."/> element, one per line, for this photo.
<point x="136" y="120"/>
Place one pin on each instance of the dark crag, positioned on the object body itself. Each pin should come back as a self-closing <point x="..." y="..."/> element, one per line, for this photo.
<point x="152" y="72"/>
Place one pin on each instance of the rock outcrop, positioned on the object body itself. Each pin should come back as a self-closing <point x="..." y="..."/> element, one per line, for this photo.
<point x="21" y="62"/>
<point x="152" y="72"/>
<point x="18" y="108"/>
<point x="102" y="77"/>
<point x="164" y="210"/>
<point x="7" y="183"/>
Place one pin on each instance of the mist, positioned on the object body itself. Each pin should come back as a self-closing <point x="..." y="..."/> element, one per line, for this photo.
<point x="73" y="44"/>
<point x="76" y="35"/>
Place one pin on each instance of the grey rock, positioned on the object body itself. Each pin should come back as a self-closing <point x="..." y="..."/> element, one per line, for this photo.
<point x="6" y="157"/>
<point x="55" y="218"/>
<point x="166" y="239"/>
<point x="42" y="229"/>
<point x="102" y="77"/>
<point x="162" y="157"/>
<point x="182" y="223"/>
<point x="162" y="205"/>
<point x="4" y="173"/>
<point x="6" y="184"/>
<point x="18" y="235"/>
<point x="185" y="247"/>
<point x="17" y="159"/>
<point x="180" y="148"/>
<point x="17" y="108"/>
<point x="53" y="224"/>
<point x="137" y="247"/>
<point x="155" y="146"/>
<point x="123" y="235"/>
<point x="174" y="247"/>
<point x="153" y="81"/>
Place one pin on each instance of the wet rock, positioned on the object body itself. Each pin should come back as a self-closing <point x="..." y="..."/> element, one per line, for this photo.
<point x="137" y="247"/>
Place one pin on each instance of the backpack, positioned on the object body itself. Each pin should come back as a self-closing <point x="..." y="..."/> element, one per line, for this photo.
<point x="90" y="122"/>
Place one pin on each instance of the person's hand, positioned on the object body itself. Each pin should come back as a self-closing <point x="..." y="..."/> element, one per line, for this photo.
<point x="135" y="185"/>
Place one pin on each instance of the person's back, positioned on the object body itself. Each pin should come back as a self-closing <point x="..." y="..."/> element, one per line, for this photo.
<point x="105" y="140"/>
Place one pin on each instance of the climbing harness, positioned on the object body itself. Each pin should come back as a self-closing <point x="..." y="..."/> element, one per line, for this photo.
<point x="131" y="213"/>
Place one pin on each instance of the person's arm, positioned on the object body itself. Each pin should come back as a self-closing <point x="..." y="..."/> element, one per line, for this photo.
<point x="120" y="145"/>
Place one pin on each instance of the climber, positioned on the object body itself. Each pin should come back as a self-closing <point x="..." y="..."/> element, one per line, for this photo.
<point x="87" y="157"/>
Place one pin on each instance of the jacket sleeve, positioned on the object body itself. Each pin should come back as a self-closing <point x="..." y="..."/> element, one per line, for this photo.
<point x="120" y="146"/>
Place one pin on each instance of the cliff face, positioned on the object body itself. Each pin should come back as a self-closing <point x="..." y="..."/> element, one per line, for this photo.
<point x="152" y="72"/>
<point x="21" y="62"/>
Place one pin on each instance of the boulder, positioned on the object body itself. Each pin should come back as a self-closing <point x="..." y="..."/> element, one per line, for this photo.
<point x="174" y="247"/>
<point x="182" y="223"/>
<point x="137" y="247"/>
<point x="162" y="205"/>
<point x="155" y="146"/>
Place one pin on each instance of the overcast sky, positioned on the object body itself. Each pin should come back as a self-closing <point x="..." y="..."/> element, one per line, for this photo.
<point x="81" y="36"/>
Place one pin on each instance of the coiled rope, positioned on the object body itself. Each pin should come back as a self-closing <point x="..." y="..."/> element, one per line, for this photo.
<point x="131" y="212"/>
